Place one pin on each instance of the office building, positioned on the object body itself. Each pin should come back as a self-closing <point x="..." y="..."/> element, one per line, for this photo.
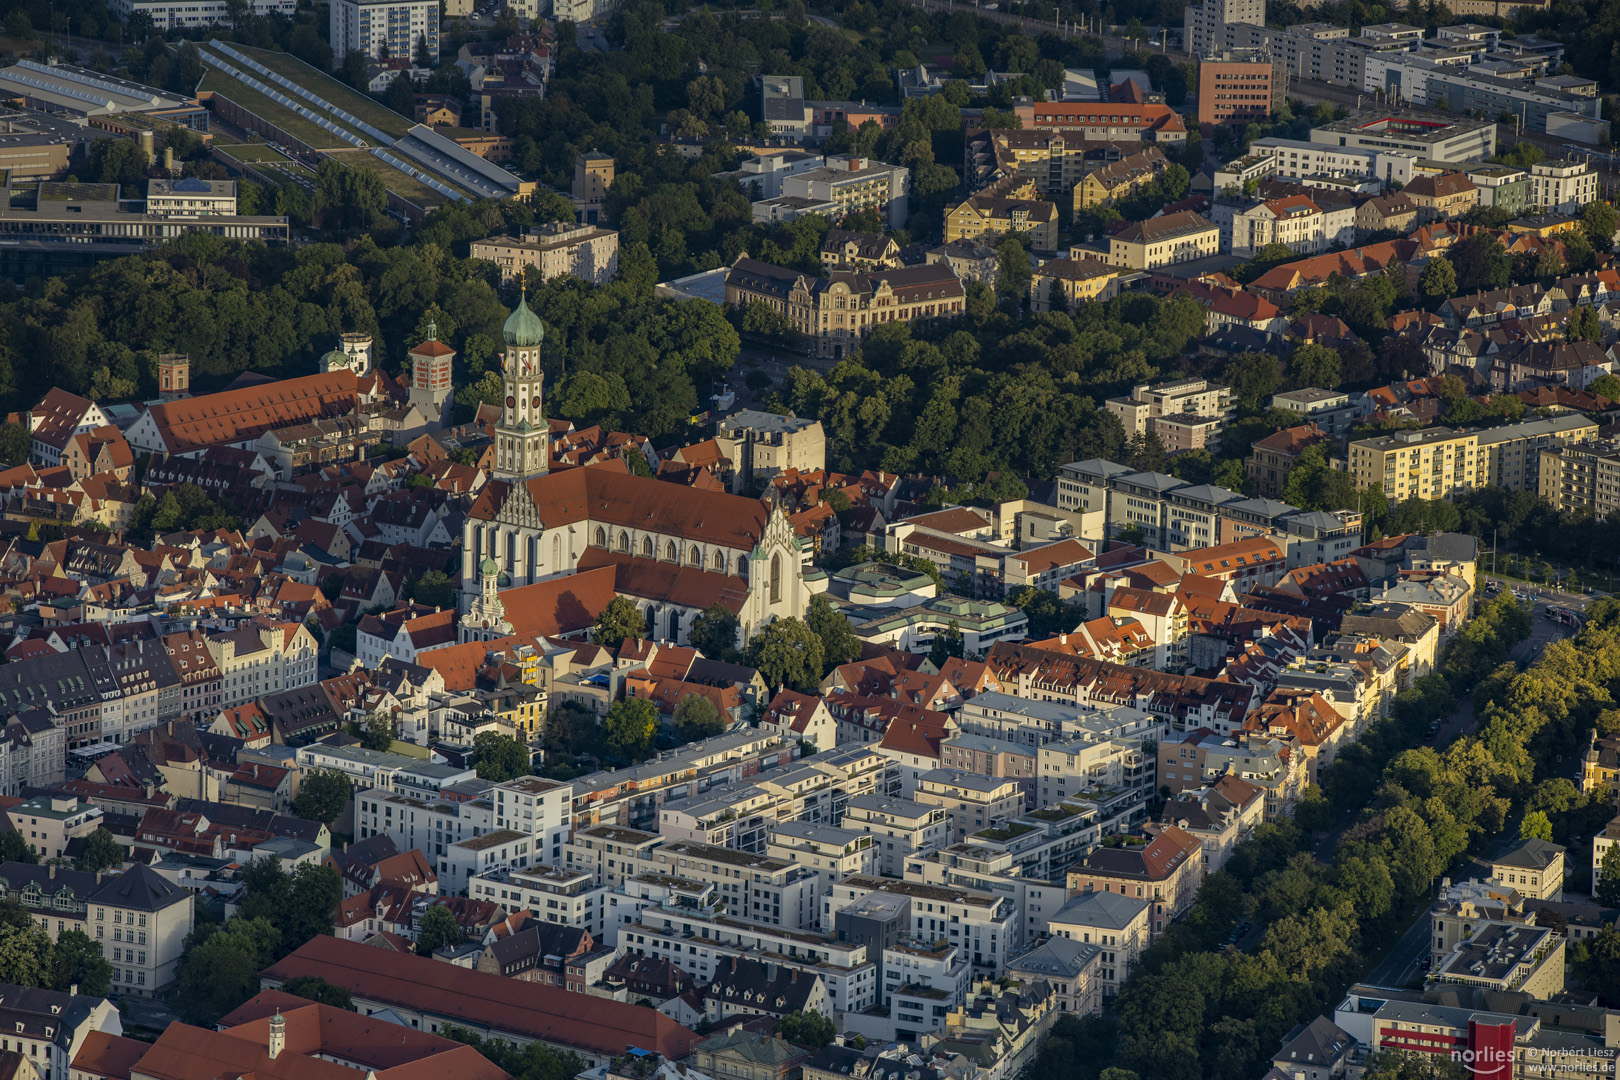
<point x="1236" y="86"/>
<point x="1437" y="140"/>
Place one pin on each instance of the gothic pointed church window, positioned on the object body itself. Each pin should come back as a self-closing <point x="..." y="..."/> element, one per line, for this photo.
<point x="696" y="558"/>
<point x="670" y="553"/>
<point x="647" y="546"/>
<point x="776" y="578"/>
<point x="720" y="561"/>
<point x="601" y="537"/>
<point x="624" y="542"/>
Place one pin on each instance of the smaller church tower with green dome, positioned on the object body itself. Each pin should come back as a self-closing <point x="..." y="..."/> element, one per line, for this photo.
<point x="522" y="438"/>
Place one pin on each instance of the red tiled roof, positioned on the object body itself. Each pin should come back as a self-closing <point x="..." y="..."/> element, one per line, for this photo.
<point x="489" y="1002"/>
<point x="615" y="499"/>
<point x="232" y="416"/>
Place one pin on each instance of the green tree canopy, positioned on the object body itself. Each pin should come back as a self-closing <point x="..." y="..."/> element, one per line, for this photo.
<point x="619" y="620"/>
<point x="500" y="757"/>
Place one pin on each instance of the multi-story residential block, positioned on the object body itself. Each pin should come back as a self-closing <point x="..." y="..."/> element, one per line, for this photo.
<point x="1296" y="159"/>
<point x="1580" y="478"/>
<point x="609" y="853"/>
<point x="1196" y="396"/>
<point x="1165" y="870"/>
<point x="1061" y="284"/>
<point x="1295" y="222"/>
<point x="1180" y="237"/>
<point x="1205" y="24"/>
<point x="263" y="657"/>
<point x="667" y="917"/>
<point x="1118" y="924"/>
<point x="560" y="249"/>
<point x="1330" y="410"/>
<point x="1441" y="196"/>
<point x="152" y="917"/>
<point x="899" y="827"/>
<point x="1533" y="868"/>
<point x="982" y="925"/>
<point x="382" y="28"/>
<point x="762" y="445"/>
<point x="1460" y="140"/>
<point x="175" y="15"/>
<point x="553" y="894"/>
<point x="1119" y="179"/>
<point x="1563" y="187"/>
<point x="854" y="184"/>
<point x="1510" y="456"/>
<point x="49" y="823"/>
<point x="987" y="216"/>
<point x="1235" y="86"/>
<point x="1070" y="970"/>
<point x="972" y="803"/>
<point x="1431" y="463"/>
<point x="1272" y="458"/>
<point x="835" y="313"/>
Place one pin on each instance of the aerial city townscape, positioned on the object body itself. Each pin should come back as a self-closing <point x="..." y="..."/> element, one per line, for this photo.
<point x="809" y="540"/>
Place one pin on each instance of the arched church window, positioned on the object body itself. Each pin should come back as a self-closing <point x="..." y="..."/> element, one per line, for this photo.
<point x="647" y="546"/>
<point x="776" y="578"/>
<point x="720" y="561"/>
<point x="742" y="567"/>
<point x="670" y="553"/>
<point x="624" y="542"/>
<point x="696" y="557"/>
<point x="601" y="536"/>
<point x="556" y="554"/>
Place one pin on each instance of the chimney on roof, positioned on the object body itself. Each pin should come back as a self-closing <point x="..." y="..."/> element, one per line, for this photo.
<point x="278" y="1035"/>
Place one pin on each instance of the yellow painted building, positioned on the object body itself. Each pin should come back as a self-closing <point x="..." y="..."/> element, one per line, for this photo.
<point x="1430" y="464"/>
<point x="1120" y="178"/>
<point x="1074" y="280"/>
<point x="1164" y="241"/>
<point x="986" y="216"/>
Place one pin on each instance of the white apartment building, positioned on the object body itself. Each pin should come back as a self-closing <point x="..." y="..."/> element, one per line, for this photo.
<point x="1196" y="397"/>
<point x="854" y="184"/>
<point x="467" y="839"/>
<point x="833" y="853"/>
<point x="972" y="803"/>
<point x="899" y="828"/>
<point x="263" y="658"/>
<point x="693" y="931"/>
<point x="186" y="14"/>
<point x="1295" y="221"/>
<point x="535" y="806"/>
<point x="1297" y="159"/>
<point x="396" y="773"/>
<point x="1562" y="187"/>
<point x="983" y="926"/>
<point x="382" y="28"/>
<point x="141" y="922"/>
<point x="609" y="853"/>
<point x="1024" y="722"/>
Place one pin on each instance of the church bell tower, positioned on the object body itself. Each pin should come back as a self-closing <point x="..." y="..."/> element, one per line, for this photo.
<point x="522" y="437"/>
